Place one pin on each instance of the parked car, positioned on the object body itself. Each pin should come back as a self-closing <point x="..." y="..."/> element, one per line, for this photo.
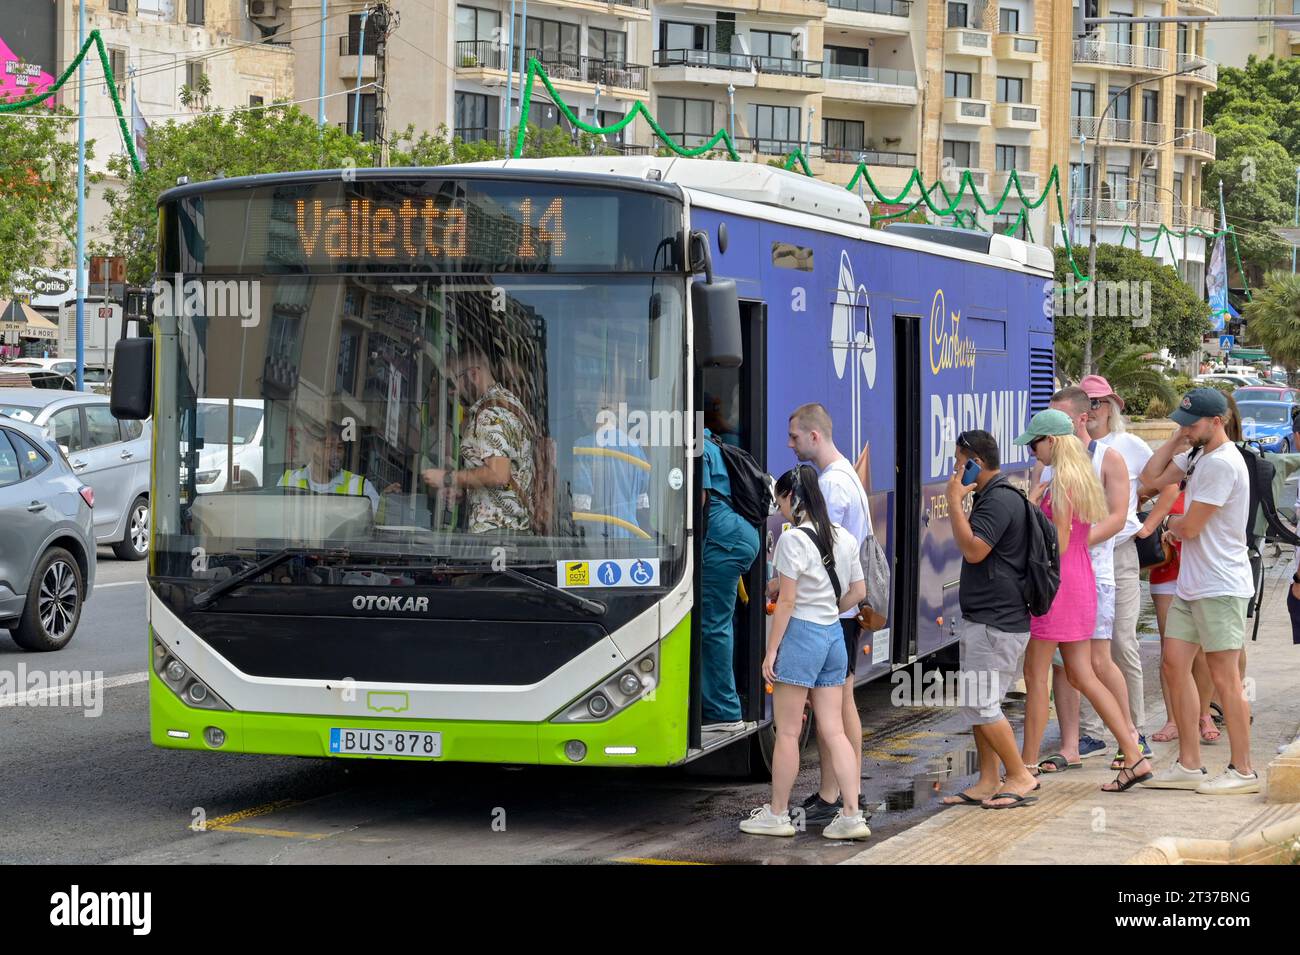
<point x="231" y="456"/>
<point x="1239" y="381"/>
<point x="47" y="539"/>
<point x="111" y="456"/>
<point x="64" y="366"/>
<point x="1267" y="422"/>
<point x="1265" y="393"/>
<point x="29" y="377"/>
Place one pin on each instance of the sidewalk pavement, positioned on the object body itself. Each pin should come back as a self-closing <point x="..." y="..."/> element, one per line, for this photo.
<point x="1074" y="822"/>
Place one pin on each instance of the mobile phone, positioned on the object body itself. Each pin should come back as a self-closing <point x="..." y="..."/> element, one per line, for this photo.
<point x="972" y="471"/>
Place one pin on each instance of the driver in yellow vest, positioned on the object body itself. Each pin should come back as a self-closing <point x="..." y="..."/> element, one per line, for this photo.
<point x="324" y="473"/>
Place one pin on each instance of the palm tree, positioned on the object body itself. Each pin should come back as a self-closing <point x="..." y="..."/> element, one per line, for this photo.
<point x="1273" y="317"/>
<point x="1133" y="369"/>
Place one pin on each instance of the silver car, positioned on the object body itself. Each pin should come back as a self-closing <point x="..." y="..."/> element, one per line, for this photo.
<point x="47" y="544"/>
<point x="111" y="456"/>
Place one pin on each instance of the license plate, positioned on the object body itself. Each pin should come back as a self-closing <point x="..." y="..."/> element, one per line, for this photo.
<point x="385" y="743"/>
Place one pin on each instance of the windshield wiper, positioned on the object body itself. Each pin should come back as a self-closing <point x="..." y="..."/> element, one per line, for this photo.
<point x="593" y="607"/>
<point x="206" y="597"/>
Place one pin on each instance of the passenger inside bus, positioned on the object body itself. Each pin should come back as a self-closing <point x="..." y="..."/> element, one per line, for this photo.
<point x="611" y="480"/>
<point x="321" y="446"/>
<point x="496" y="449"/>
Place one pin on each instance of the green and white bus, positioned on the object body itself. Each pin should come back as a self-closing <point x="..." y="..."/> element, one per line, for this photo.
<point x="378" y="614"/>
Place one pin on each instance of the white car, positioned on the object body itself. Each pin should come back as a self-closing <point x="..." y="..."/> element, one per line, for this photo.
<point x="64" y="366"/>
<point x="1240" y="381"/>
<point x="231" y="431"/>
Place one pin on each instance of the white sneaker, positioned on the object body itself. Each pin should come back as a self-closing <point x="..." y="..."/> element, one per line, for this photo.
<point x="1229" y="783"/>
<point x="1177" y="776"/>
<point x="764" y="822"/>
<point x="847" y="827"/>
<point x="735" y="727"/>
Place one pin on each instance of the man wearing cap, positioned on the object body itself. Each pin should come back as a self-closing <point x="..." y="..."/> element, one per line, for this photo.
<point x="1106" y="426"/>
<point x="1215" y="584"/>
<point x="323" y="473"/>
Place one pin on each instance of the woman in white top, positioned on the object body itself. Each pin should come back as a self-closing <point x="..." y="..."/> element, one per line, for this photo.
<point x="821" y="576"/>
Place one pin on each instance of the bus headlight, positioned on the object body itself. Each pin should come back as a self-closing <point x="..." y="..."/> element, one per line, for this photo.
<point x="215" y="737"/>
<point x="614" y="694"/>
<point x="192" y="691"/>
<point x="576" y="750"/>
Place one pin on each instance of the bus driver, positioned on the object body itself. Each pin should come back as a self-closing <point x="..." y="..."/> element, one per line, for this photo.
<point x="322" y="447"/>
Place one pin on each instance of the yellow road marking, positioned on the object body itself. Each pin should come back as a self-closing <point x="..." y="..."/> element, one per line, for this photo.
<point x="223" y="822"/>
<point x="279" y="833"/>
<point x="635" y="860"/>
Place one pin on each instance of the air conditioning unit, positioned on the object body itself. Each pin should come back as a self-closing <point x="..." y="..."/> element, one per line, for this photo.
<point x="262" y="9"/>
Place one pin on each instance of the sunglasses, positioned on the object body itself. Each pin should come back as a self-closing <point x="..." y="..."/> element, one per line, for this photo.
<point x="1097" y="403"/>
<point x="962" y="443"/>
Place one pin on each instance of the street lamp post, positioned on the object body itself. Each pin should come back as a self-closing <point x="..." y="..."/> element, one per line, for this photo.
<point x="1094" y="188"/>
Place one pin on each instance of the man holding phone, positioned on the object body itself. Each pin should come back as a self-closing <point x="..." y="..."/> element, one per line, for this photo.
<point x="994" y="544"/>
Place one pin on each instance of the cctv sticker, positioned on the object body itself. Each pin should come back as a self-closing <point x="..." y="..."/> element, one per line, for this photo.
<point x="675" y="479"/>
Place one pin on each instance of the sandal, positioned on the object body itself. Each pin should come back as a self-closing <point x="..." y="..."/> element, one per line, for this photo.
<point x="1017" y="800"/>
<point x="1056" y="763"/>
<point x="1169" y="732"/>
<point x="1209" y="732"/>
<point x="962" y="799"/>
<point x="1123" y="783"/>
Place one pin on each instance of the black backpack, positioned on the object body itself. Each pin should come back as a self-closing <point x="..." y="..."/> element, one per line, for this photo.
<point x="1043" y="560"/>
<point x="751" y="491"/>
<point x="1262" y="519"/>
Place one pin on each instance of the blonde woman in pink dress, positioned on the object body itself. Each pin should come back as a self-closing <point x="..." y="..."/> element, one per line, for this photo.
<point x="1074" y="501"/>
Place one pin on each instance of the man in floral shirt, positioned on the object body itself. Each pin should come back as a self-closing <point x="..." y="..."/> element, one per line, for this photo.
<point x="496" y="451"/>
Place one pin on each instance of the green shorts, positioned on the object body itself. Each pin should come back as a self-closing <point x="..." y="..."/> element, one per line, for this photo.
<point x="1216" y="623"/>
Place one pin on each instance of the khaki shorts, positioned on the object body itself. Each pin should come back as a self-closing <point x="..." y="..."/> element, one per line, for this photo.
<point x="1216" y="623"/>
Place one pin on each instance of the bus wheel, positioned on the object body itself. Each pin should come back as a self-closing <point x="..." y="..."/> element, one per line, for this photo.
<point x="764" y="742"/>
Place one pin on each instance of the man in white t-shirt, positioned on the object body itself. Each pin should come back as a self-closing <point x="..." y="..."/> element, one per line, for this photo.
<point x="1215" y="584"/>
<point x="847" y="505"/>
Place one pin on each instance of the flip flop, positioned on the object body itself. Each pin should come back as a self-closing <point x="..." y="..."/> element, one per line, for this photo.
<point x="1058" y="764"/>
<point x="962" y="800"/>
<point x="1019" y="800"/>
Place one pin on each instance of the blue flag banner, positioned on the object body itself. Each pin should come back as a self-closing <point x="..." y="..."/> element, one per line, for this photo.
<point x="1216" y="285"/>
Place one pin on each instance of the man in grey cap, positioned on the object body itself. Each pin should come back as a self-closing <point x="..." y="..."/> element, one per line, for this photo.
<point x="1215" y="584"/>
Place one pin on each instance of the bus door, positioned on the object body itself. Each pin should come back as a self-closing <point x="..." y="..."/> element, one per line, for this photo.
<point x="734" y="405"/>
<point x="907" y="486"/>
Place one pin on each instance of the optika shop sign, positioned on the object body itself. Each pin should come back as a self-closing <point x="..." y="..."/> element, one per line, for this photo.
<point x="391" y="604"/>
<point x="209" y="298"/>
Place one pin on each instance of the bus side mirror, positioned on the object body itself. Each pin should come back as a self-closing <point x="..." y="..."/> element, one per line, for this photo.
<point x="132" y="388"/>
<point x="715" y="306"/>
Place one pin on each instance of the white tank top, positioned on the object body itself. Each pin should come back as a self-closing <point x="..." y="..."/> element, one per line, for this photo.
<point x="1103" y="555"/>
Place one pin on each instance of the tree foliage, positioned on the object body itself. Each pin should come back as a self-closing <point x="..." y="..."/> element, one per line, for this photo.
<point x="280" y="138"/>
<point x="38" y="191"/>
<point x="1178" y="316"/>
<point x="1266" y="92"/>
<point x="1273" y="317"/>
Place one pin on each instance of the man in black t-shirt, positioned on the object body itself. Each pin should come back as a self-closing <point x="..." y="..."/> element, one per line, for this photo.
<point x="993" y="540"/>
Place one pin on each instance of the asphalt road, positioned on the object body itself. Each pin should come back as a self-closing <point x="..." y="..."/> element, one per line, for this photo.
<point x="93" y="789"/>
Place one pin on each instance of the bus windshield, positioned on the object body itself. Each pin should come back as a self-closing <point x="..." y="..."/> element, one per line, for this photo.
<point x="415" y="424"/>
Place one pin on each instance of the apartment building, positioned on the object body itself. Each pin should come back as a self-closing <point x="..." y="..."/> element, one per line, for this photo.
<point x="160" y="46"/>
<point x="1149" y="82"/>
<point x="1232" y="44"/>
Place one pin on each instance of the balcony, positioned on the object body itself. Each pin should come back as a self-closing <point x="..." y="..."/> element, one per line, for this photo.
<point x="1121" y="211"/>
<point x="1208" y="72"/>
<point x="1016" y="116"/>
<point x="1200" y="6"/>
<point x="762" y="146"/>
<point x="872" y="157"/>
<point x="1028" y="183"/>
<point x="1193" y="217"/>
<point x="1153" y="134"/>
<point x="798" y="9"/>
<point x="952" y="176"/>
<point x="885" y="16"/>
<point x="1195" y="141"/>
<point x="628" y="9"/>
<point x="963" y="42"/>
<point x="967" y="112"/>
<point x="483" y="56"/>
<point x="871" y="84"/>
<point x="1091" y="51"/>
<point x="1018" y="46"/>
<point x="349" y="60"/>
<point x="738" y="69"/>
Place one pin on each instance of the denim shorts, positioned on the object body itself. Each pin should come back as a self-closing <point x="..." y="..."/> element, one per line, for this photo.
<point x="812" y="654"/>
